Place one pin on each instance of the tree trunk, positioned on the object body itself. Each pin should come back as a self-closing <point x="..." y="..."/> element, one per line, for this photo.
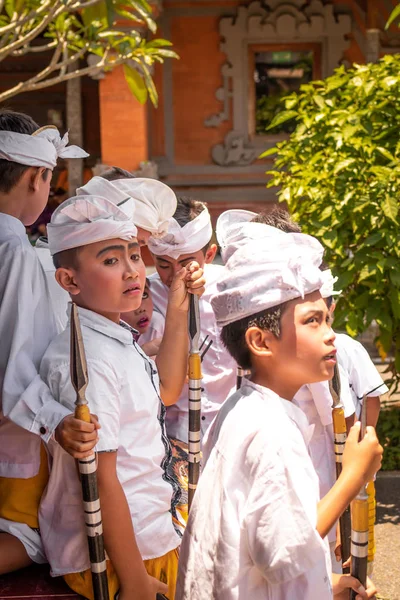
<point x="74" y="125"/>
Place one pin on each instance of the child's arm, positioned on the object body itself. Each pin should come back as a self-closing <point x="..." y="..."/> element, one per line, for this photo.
<point x="172" y="357"/>
<point x="361" y="460"/>
<point x="119" y="536"/>
<point x="373" y="410"/>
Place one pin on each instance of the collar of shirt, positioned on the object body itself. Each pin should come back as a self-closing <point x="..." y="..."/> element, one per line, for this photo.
<point x="118" y="331"/>
<point x="293" y="411"/>
<point x="13" y="225"/>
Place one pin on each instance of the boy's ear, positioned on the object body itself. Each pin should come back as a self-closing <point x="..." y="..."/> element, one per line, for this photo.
<point x="260" y="341"/>
<point x="210" y="254"/>
<point x="66" y="278"/>
<point x="36" y="178"/>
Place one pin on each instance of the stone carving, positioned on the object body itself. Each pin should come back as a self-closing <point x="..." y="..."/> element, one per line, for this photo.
<point x="233" y="152"/>
<point x="274" y="22"/>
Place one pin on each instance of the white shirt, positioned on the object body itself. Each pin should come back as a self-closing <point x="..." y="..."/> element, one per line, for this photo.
<point x="26" y="329"/>
<point x="252" y="528"/>
<point x="218" y="367"/>
<point x="59" y="298"/>
<point x="123" y="392"/>
<point x="315" y="400"/>
<point x="363" y="376"/>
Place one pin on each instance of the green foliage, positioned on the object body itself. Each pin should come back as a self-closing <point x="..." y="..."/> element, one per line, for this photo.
<point x="388" y="431"/>
<point x="114" y="32"/>
<point x="339" y="173"/>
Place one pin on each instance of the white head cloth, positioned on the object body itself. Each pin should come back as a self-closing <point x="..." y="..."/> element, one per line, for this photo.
<point x="183" y="240"/>
<point x="41" y="149"/>
<point x="84" y="220"/>
<point x="155" y="202"/>
<point x="226" y="221"/>
<point x="267" y="272"/>
<point x="327" y="289"/>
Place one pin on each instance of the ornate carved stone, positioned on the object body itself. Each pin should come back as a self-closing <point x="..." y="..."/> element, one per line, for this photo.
<point x="274" y="22"/>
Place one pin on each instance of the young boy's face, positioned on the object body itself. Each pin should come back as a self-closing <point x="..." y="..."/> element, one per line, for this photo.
<point x="168" y="267"/>
<point x="140" y="318"/>
<point x="110" y="277"/>
<point x="305" y="351"/>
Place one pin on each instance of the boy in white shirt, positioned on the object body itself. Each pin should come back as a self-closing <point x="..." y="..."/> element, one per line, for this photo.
<point x="189" y="238"/>
<point x="95" y="249"/>
<point x="256" y="526"/>
<point x="29" y="414"/>
<point x="146" y="321"/>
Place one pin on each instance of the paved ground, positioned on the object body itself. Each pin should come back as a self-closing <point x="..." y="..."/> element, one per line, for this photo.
<point x="387" y="532"/>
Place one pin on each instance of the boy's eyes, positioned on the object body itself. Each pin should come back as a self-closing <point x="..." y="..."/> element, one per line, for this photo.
<point x="145" y="296"/>
<point x="110" y="261"/>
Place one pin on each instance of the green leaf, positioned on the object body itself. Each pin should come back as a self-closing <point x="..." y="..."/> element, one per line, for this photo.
<point x="374" y="238"/>
<point x="390" y="207"/>
<point x="136" y="84"/>
<point x="282" y="117"/>
<point x="269" y="152"/>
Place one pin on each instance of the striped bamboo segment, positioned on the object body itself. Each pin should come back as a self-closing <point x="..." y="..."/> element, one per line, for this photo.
<point x="195" y="376"/>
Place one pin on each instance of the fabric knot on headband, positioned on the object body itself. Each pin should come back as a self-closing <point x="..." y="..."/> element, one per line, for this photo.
<point x="84" y="220"/>
<point x="194" y="236"/>
<point x="41" y="149"/>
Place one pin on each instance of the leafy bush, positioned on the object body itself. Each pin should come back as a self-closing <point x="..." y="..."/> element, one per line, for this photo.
<point x="339" y="173"/>
<point x="388" y="430"/>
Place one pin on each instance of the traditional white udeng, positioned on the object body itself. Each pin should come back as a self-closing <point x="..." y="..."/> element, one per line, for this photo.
<point x="41" y="149"/>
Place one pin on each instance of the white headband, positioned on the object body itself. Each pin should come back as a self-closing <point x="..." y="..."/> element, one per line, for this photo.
<point x="225" y="222"/>
<point x="97" y="186"/>
<point x="183" y="240"/>
<point x="84" y="220"/>
<point x="266" y="273"/>
<point x="41" y="149"/>
<point x="328" y="284"/>
<point x="155" y="203"/>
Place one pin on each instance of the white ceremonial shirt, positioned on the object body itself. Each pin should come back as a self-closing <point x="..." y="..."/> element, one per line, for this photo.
<point x="252" y="527"/>
<point x="123" y="391"/>
<point x="315" y="400"/>
<point x="218" y="367"/>
<point x="26" y="329"/>
<point x="59" y="298"/>
<point x="363" y="376"/>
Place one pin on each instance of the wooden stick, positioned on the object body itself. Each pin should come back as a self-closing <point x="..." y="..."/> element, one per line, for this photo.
<point x="88" y="466"/>
<point x="340" y="436"/>
<point x="194" y="449"/>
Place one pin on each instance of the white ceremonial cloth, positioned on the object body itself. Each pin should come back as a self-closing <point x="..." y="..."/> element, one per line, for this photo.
<point x="59" y="298"/>
<point x="218" y="367"/>
<point x="315" y="400"/>
<point x="83" y="220"/>
<point x="154" y="331"/>
<point x="362" y="374"/>
<point x="41" y="149"/>
<point x="192" y="237"/>
<point x="225" y="223"/>
<point x="123" y="393"/>
<point x="26" y="329"/>
<point x="252" y="527"/>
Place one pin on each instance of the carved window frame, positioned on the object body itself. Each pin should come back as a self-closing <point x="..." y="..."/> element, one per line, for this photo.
<point x="273" y="23"/>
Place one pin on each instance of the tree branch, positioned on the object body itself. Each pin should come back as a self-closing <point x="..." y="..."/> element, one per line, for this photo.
<point x="31" y="15"/>
<point x="35" y="49"/>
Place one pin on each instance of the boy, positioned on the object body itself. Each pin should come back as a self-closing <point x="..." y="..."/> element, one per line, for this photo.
<point x="189" y="238"/>
<point x="28" y="411"/>
<point x="265" y="537"/>
<point x="148" y="323"/>
<point x="154" y="201"/>
<point x="97" y="256"/>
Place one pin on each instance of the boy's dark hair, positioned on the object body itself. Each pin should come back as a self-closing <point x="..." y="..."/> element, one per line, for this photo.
<point x="187" y="209"/>
<point x="233" y="335"/>
<point x="66" y="258"/>
<point x="10" y="171"/>
<point x="116" y="173"/>
<point x="279" y="218"/>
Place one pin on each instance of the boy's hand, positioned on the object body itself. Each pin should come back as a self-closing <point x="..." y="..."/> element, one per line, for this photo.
<point x="361" y="460"/>
<point x="158" y="587"/>
<point x="77" y="437"/>
<point x="152" y="347"/>
<point x="343" y="583"/>
<point x="189" y="279"/>
<point x="150" y="593"/>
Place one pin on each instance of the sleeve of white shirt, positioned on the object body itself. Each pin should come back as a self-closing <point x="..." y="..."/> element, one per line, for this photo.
<point x="26" y="329"/>
<point x="364" y="376"/>
<point x="102" y="394"/>
<point x="283" y="542"/>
